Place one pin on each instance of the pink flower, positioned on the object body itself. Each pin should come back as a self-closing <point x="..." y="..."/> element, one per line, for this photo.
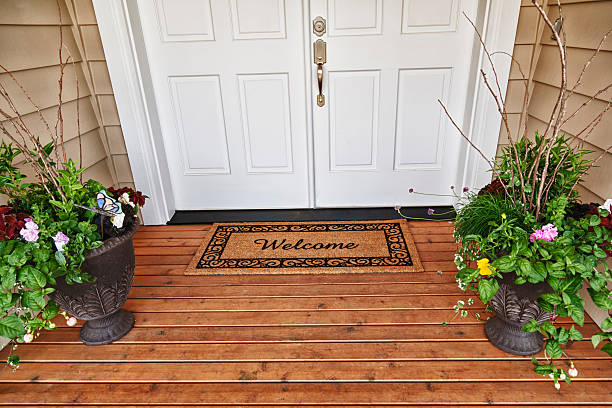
<point x="430" y="211"/>
<point x="30" y="235"/>
<point x="30" y="232"/>
<point x="548" y="232"/>
<point x="60" y="240"/>
<point x="466" y="189"/>
<point x="30" y="224"/>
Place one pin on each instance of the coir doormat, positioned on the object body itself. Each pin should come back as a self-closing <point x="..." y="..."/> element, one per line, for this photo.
<point x="306" y="247"/>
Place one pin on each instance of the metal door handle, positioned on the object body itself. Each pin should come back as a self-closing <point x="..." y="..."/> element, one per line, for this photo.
<point x="320" y="96"/>
<point x="320" y="58"/>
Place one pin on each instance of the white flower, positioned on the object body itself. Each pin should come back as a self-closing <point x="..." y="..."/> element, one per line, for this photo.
<point x="28" y="337"/>
<point x="557" y="386"/>
<point x="52" y="325"/>
<point x="562" y="376"/>
<point x="607" y="205"/>
<point x="125" y="199"/>
<point x="572" y="371"/>
<point x="71" y="321"/>
<point x="117" y="220"/>
<point x="552" y="376"/>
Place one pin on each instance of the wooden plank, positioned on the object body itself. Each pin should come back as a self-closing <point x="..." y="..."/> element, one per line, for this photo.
<point x="485" y="392"/>
<point x="354" y="333"/>
<point x="289" y="372"/>
<point x="183" y="289"/>
<point x="174" y="269"/>
<point x="466" y="351"/>
<point x="187" y="286"/>
<point x="429" y="302"/>
<point x="297" y="318"/>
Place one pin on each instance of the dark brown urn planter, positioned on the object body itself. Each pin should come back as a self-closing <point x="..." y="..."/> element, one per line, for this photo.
<point x="100" y="302"/>
<point x="514" y="305"/>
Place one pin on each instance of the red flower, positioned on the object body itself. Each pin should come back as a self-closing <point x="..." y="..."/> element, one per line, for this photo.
<point x="10" y="223"/>
<point x="135" y="196"/>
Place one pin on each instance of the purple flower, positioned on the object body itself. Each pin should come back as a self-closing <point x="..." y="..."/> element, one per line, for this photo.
<point x="466" y="189"/>
<point x="60" y="240"/>
<point x="398" y="207"/>
<point x="430" y="211"/>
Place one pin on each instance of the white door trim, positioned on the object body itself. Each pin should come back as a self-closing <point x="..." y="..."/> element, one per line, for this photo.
<point x="123" y="45"/>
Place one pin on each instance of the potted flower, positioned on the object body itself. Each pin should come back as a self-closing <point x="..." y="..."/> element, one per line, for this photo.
<point x="65" y="242"/>
<point x="525" y="244"/>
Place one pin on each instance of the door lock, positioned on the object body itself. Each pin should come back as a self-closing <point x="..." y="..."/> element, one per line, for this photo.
<point x="318" y="26"/>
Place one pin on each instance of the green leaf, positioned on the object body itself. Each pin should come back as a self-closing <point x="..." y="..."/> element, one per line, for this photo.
<point x="607" y="323"/>
<point x="487" y="288"/>
<point x="520" y="281"/>
<point x="552" y="298"/>
<point x="504" y="264"/>
<point x="51" y="310"/>
<point x="8" y="275"/>
<point x="549" y="328"/>
<point x="594" y="220"/>
<point x="17" y="258"/>
<point x="598" y="337"/>
<point x="33" y="300"/>
<point x="576" y="313"/>
<point x="11" y="327"/>
<point x="563" y="336"/>
<point x="553" y="348"/>
<point x="544" y="369"/>
<point x="586" y="248"/>
<point x="530" y="326"/>
<point x="60" y="258"/>
<point x="600" y="253"/>
<point x="32" y="277"/>
<point x="607" y="349"/>
<point x="601" y="299"/>
<point x="574" y="334"/>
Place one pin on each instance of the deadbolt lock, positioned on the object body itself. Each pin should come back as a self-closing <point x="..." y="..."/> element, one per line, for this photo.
<point x="318" y="26"/>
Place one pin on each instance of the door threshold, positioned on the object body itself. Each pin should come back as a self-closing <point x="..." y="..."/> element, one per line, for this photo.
<point x="308" y="214"/>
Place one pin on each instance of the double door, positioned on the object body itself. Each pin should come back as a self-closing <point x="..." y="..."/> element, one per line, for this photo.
<point x="254" y="115"/>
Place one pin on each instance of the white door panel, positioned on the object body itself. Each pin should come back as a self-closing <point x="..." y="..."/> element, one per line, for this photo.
<point x="382" y="130"/>
<point x="229" y="83"/>
<point x="229" y="78"/>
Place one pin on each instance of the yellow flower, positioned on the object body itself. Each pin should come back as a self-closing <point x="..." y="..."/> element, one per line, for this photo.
<point x="504" y="216"/>
<point x="485" y="267"/>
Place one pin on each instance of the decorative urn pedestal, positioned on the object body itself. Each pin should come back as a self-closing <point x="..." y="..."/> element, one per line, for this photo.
<point x="514" y="305"/>
<point x="99" y="302"/>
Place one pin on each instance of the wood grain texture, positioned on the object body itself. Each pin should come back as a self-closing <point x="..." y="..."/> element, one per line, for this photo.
<point x="294" y="340"/>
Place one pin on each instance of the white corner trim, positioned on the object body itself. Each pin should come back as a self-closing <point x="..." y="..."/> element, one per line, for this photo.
<point x="499" y="31"/>
<point x="137" y="114"/>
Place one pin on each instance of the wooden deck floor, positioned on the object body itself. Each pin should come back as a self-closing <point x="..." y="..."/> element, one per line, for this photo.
<point x="350" y="339"/>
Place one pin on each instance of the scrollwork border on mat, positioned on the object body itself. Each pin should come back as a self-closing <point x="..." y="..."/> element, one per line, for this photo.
<point x="399" y="255"/>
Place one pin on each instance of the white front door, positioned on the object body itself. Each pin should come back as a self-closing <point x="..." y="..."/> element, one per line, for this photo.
<point x="231" y="85"/>
<point x="382" y="130"/>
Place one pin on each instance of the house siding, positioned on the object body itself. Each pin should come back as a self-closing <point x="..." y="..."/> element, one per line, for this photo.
<point x="586" y="22"/>
<point x="29" y="38"/>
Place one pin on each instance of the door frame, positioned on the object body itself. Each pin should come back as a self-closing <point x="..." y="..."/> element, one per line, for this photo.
<point x="126" y="58"/>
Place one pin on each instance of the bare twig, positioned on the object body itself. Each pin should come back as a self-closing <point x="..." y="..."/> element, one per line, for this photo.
<point x="489" y="162"/>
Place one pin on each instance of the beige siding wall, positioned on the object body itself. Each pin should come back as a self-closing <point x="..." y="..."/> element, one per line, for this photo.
<point x="29" y="39"/>
<point x="586" y="22"/>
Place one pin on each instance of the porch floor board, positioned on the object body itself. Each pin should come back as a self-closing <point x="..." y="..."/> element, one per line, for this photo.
<point x="294" y="340"/>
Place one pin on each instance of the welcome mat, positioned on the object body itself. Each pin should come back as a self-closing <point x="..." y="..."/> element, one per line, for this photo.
<point x="306" y="247"/>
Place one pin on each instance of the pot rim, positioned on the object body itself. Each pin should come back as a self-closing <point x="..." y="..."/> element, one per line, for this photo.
<point x="115" y="241"/>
